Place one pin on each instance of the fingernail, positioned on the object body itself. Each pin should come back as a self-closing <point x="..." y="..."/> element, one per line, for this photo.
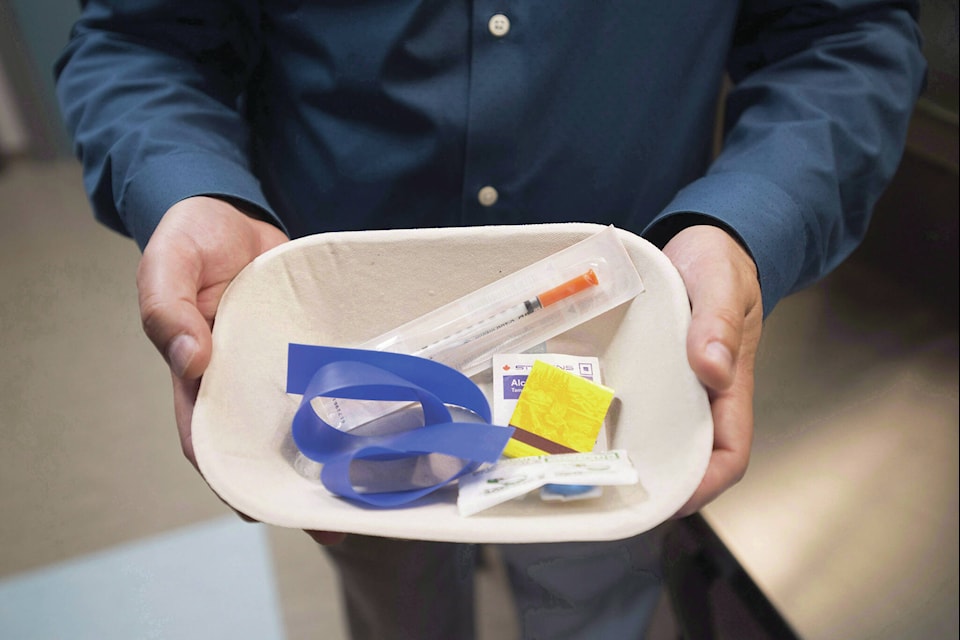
<point x="180" y="353"/>
<point x="718" y="353"/>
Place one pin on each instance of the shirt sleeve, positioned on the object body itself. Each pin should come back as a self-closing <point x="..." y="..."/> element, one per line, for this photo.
<point x="150" y="93"/>
<point x="815" y="128"/>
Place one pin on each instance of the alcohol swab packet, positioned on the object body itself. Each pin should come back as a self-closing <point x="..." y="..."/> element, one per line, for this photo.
<point x="510" y="374"/>
<point x="512" y="478"/>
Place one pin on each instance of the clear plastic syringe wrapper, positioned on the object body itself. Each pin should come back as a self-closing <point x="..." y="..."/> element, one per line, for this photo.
<point x="511" y="315"/>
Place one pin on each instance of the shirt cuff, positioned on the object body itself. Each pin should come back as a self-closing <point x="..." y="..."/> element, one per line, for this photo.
<point x="758" y="213"/>
<point x="164" y="181"/>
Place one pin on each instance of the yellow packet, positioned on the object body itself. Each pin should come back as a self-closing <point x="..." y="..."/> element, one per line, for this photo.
<point x="557" y="412"/>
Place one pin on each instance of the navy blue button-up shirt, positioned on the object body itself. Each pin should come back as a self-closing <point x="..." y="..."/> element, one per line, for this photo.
<point x="342" y="115"/>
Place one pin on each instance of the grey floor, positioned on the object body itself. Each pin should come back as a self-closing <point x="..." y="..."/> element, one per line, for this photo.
<point x="847" y="518"/>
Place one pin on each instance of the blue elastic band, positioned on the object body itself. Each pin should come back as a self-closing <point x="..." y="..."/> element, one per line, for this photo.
<point x="335" y="372"/>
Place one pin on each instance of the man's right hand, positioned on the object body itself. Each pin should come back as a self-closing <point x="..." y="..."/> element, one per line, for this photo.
<point x="200" y="245"/>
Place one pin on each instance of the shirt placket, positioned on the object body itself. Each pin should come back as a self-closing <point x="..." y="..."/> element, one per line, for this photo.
<point x="497" y="68"/>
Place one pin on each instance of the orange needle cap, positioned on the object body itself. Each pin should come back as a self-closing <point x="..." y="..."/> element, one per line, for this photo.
<point x="568" y="288"/>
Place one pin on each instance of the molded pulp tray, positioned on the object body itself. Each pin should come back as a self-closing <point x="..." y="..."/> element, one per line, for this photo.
<point x="343" y="288"/>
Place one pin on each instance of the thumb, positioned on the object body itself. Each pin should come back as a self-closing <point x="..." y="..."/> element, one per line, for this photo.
<point x="168" y="280"/>
<point x="714" y="338"/>
<point x="721" y="282"/>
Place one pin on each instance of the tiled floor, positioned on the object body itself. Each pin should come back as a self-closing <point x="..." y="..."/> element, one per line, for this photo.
<point x="214" y="576"/>
<point x="847" y="518"/>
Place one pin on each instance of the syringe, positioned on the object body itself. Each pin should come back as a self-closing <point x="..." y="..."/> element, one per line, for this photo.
<point x="508" y="316"/>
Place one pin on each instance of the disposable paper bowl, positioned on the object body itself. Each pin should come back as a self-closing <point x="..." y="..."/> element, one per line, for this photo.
<point x="343" y="288"/>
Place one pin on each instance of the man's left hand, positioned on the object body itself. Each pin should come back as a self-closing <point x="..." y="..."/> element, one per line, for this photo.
<point x="721" y="281"/>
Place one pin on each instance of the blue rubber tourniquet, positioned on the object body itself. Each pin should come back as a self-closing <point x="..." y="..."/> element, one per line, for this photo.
<point x="334" y="372"/>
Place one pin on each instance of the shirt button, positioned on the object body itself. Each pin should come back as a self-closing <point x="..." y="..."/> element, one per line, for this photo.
<point x="488" y="196"/>
<point x="499" y="25"/>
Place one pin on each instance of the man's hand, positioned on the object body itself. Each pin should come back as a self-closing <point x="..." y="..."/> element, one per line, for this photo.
<point x="721" y="280"/>
<point x="200" y="245"/>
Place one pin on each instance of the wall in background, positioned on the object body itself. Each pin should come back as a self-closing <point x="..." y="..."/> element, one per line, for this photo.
<point x="939" y="23"/>
<point x="14" y="138"/>
<point x="32" y="34"/>
<point x="914" y="233"/>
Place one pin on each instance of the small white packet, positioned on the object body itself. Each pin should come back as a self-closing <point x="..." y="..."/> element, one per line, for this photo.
<point x="568" y="493"/>
<point x="512" y="478"/>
